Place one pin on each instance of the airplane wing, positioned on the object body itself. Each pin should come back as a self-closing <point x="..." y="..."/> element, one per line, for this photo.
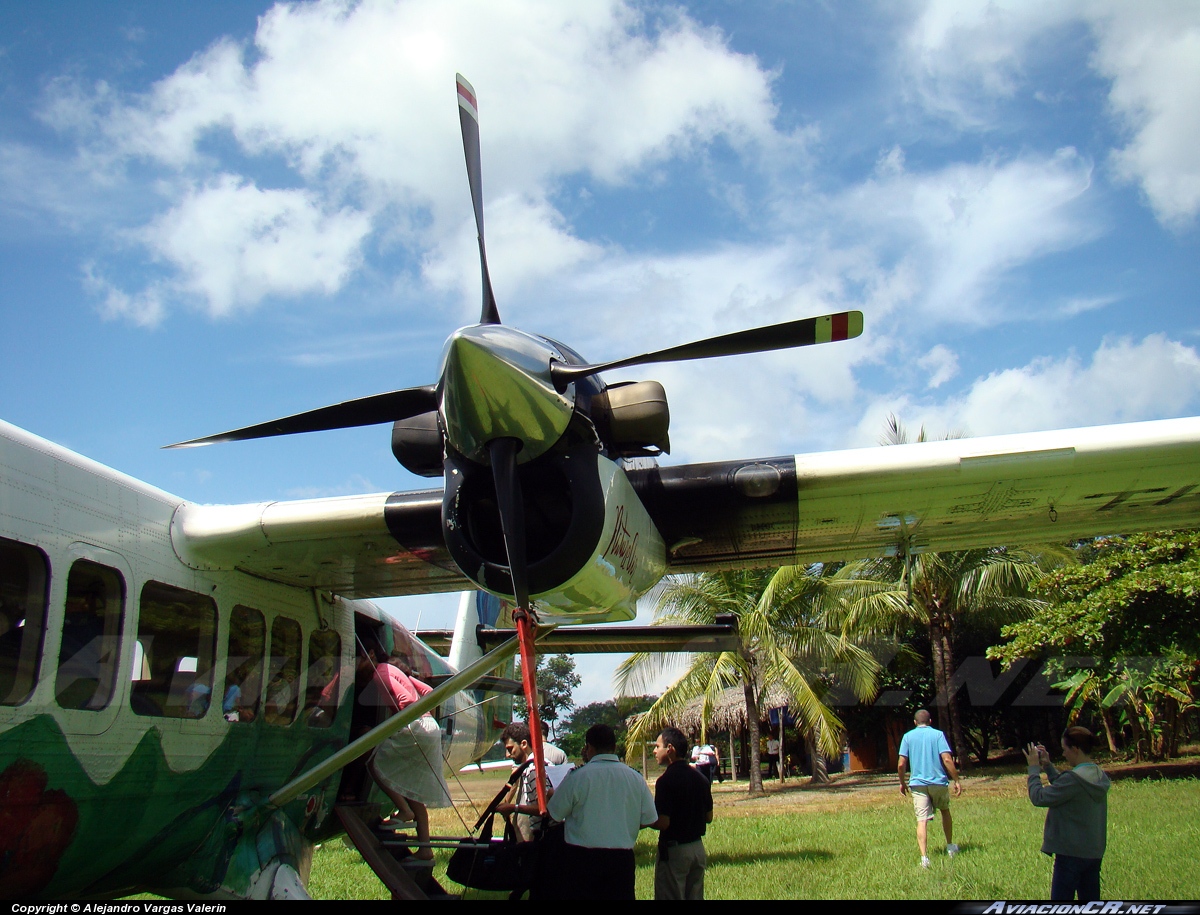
<point x="1041" y="487"/>
<point x="380" y="545"/>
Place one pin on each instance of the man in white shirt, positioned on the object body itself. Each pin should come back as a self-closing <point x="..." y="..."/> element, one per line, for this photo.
<point x="602" y="805"/>
<point x="552" y="754"/>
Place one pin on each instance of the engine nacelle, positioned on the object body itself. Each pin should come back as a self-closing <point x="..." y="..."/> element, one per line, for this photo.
<point x="632" y="418"/>
<point x="418" y="444"/>
<point x="591" y="546"/>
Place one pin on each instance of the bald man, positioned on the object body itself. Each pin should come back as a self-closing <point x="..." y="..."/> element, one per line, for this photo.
<point x="925" y="754"/>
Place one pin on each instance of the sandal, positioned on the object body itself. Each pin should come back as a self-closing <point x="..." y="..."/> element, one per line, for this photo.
<point x="394" y="824"/>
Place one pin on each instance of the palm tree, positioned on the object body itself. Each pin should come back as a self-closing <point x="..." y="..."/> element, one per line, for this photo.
<point x="940" y="591"/>
<point x="783" y="643"/>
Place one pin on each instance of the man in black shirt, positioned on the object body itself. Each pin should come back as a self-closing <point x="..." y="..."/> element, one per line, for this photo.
<point x="683" y="799"/>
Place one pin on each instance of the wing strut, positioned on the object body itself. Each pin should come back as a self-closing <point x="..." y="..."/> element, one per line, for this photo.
<point x="526" y="633"/>
<point x="427" y="703"/>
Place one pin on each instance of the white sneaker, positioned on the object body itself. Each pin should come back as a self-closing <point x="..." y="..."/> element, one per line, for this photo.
<point x="924" y="861"/>
<point x="951" y="849"/>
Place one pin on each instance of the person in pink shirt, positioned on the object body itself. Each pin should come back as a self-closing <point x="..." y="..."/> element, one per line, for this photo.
<point x="408" y="765"/>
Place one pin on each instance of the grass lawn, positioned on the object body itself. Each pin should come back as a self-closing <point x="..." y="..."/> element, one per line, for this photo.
<point x="856" y="839"/>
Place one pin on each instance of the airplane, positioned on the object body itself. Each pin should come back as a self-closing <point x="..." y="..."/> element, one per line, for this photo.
<point x="128" y="613"/>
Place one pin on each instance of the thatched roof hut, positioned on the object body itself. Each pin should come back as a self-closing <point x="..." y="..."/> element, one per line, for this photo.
<point x="728" y="711"/>
<point x="727" y="715"/>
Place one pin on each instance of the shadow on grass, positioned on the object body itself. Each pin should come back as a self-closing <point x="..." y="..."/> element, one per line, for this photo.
<point x="646" y="857"/>
<point x="1184" y="766"/>
<point x="1156" y="771"/>
<point x="803" y="855"/>
<point x="838" y="784"/>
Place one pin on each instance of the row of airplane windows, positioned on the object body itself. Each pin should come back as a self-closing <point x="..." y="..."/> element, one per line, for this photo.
<point x="174" y="654"/>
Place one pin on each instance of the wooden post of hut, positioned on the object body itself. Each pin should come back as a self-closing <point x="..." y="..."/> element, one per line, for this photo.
<point x="780" y="756"/>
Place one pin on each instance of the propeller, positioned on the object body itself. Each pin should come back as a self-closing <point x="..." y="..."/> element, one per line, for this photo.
<point x="518" y="379"/>
<point x="468" y="119"/>
<point x="844" y="325"/>
<point x="365" y="411"/>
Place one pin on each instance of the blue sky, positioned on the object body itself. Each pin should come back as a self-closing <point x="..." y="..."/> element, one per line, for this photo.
<point x="215" y="214"/>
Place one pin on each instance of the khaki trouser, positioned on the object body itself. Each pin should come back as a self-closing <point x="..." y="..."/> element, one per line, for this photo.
<point x="681" y="874"/>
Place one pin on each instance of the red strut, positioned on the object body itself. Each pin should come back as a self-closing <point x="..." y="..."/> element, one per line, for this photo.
<point x="525" y="632"/>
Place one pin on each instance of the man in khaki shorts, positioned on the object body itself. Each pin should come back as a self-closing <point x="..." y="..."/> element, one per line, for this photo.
<point x="925" y="752"/>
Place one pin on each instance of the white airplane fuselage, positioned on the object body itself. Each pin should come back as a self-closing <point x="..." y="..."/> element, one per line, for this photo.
<point x="126" y="760"/>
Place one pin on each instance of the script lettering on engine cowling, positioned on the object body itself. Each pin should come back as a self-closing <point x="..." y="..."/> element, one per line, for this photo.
<point x="622" y="548"/>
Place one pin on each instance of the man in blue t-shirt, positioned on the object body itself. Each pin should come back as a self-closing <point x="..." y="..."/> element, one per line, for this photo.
<point x="925" y="752"/>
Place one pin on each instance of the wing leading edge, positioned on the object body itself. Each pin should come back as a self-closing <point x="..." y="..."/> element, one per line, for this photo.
<point x="380" y="545"/>
<point x="1041" y="487"/>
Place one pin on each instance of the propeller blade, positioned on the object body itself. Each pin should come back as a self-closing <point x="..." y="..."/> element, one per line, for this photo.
<point x="468" y="119"/>
<point x="365" y="411"/>
<point x="844" y="325"/>
<point x="503" y="455"/>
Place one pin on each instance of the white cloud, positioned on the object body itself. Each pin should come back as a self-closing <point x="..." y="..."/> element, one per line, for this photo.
<point x="941" y="363"/>
<point x="1124" y="381"/>
<point x="41" y="190"/>
<point x="356" y="100"/>
<point x="144" y="308"/>
<point x="890" y="163"/>
<point x="233" y="243"/>
<point x="962" y="56"/>
<point x="1151" y="52"/>
<point x="528" y="244"/>
<point x="964" y="227"/>
<point x="1078" y="305"/>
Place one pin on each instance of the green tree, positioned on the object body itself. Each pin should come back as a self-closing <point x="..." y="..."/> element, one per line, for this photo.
<point x="613" y="712"/>
<point x="1121" y="631"/>
<point x="782" y="643"/>
<point x="940" y="591"/>
<point x="556" y="680"/>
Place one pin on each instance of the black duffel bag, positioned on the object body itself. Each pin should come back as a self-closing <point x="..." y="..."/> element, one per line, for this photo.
<point x="487" y="863"/>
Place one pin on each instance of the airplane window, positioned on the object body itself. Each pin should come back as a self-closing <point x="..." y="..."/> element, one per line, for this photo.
<point x="284" y="681"/>
<point x="244" y="669"/>
<point x="88" y="654"/>
<point x="177" y="632"/>
<point x="141" y="667"/>
<point x="324" y="675"/>
<point x="23" y="598"/>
